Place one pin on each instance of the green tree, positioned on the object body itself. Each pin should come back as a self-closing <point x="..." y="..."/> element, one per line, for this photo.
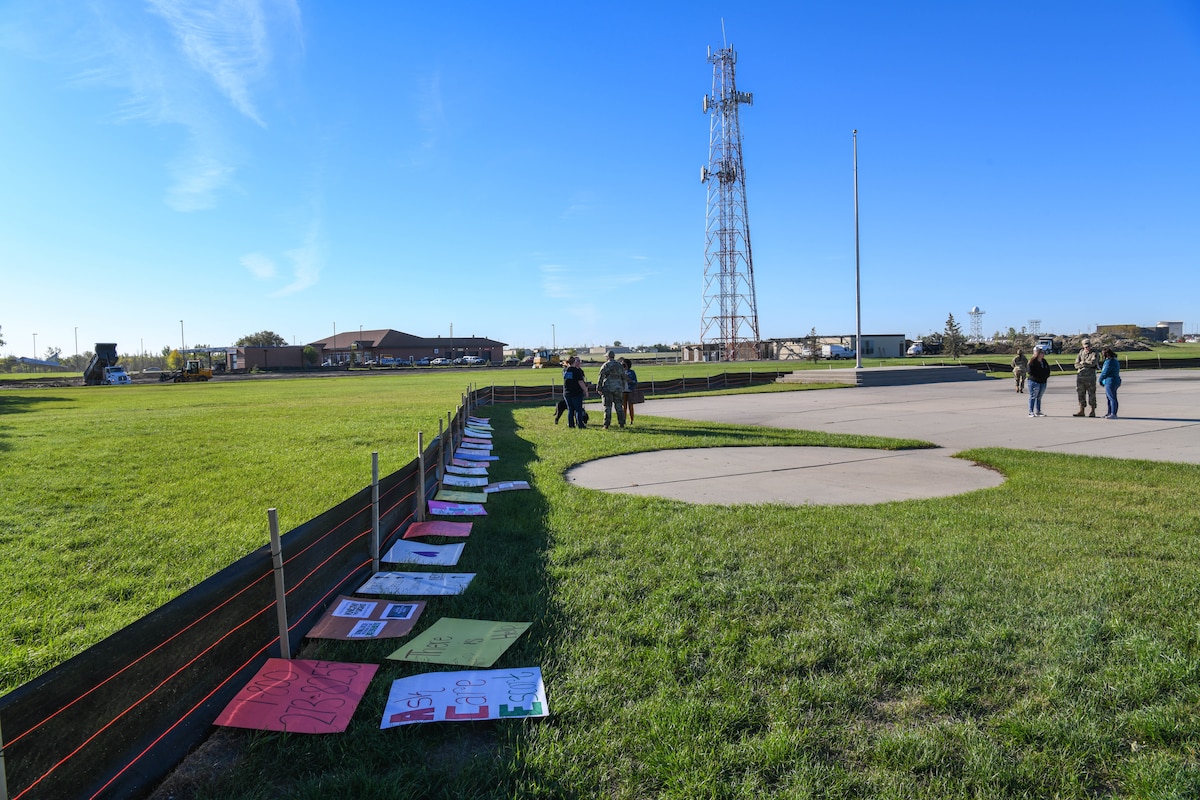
<point x="953" y="341"/>
<point x="310" y="355"/>
<point x="812" y="346"/>
<point x="616" y="342"/>
<point x="262" y="339"/>
<point x="174" y="360"/>
<point x="1" y="337"/>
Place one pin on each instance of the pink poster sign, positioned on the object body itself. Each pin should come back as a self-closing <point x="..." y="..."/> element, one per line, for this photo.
<point x="299" y="696"/>
<point x="438" y="527"/>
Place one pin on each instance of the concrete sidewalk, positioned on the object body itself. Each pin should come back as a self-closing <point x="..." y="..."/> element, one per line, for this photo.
<point x="1160" y="421"/>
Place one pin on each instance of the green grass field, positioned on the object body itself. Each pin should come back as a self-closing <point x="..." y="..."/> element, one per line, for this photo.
<point x="1038" y="639"/>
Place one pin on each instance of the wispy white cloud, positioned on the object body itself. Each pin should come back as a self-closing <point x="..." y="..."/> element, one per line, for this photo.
<point x="199" y="174"/>
<point x="260" y="266"/>
<point x="557" y="282"/>
<point x="431" y="112"/>
<point x="214" y="53"/>
<point x="581" y="204"/>
<point x="565" y="283"/>
<point x="306" y="261"/>
<point x="226" y="40"/>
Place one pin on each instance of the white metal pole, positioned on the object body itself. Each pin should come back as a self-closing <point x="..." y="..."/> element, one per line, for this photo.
<point x="857" y="285"/>
<point x="441" y="454"/>
<point x="375" y="511"/>
<point x="3" y="779"/>
<point x="420" y="476"/>
<point x="285" y="642"/>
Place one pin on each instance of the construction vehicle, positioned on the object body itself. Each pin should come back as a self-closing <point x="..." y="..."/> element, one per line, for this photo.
<point x="103" y="370"/>
<point x="191" y="373"/>
<point x="544" y="358"/>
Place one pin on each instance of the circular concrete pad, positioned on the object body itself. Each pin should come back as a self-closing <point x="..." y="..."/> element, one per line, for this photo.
<point x="794" y="475"/>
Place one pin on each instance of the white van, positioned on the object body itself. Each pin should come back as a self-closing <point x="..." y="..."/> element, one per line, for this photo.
<point x="836" y="351"/>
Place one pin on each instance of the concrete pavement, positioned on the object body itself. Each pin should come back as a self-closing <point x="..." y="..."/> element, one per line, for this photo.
<point x="1160" y="421"/>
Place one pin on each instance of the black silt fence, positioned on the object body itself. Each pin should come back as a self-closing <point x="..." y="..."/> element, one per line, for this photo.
<point x="726" y="380"/>
<point x="115" y="719"/>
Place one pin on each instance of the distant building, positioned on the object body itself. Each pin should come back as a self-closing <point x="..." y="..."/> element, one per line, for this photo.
<point x="363" y="348"/>
<point x="359" y="347"/>
<point x="1162" y="332"/>
<point x="245" y="358"/>
<point x="1174" y="329"/>
<point x="875" y="345"/>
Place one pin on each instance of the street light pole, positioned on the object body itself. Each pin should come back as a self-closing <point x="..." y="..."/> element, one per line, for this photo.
<point x="35" y="345"/>
<point x="182" y="341"/>
<point x="76" y="341"/>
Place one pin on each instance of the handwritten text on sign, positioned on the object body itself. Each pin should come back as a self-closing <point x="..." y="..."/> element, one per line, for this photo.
<point x="299" y="696"/>
<point x="465" y="696"/>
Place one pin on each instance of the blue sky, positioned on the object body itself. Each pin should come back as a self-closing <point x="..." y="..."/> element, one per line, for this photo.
<point x="529" y="170"/>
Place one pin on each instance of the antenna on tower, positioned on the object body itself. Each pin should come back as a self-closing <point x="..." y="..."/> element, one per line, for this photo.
<point x="730" y="310"/>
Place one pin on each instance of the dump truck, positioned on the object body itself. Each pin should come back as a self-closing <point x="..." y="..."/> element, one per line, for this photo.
<point x="103" y="369"/>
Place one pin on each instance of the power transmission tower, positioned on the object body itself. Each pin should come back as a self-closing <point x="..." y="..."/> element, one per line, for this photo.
<point x="730" y="310"/>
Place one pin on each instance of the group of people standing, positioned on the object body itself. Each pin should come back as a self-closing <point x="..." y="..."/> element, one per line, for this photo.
<point x="1037" y="372"/>
<point x="617" y="384"/>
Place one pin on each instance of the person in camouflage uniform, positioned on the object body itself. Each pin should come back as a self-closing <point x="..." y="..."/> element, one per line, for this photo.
<point x="611" y="384"/>
<point x="1020" y="366"/>
<point x="1086" y="364"/>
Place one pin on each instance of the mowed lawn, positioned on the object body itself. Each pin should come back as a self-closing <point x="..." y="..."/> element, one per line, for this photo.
<point x="117" y="499"/>
<point x="1038" y="639"/>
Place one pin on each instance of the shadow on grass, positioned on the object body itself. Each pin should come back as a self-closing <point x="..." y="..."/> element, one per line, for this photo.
<point x="22" y="404"/>
<point x="664" y="427"/>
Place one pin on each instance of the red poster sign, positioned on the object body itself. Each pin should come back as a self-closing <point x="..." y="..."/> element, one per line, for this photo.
<point x="438" y="528"/>
<point x="300" y="696"/>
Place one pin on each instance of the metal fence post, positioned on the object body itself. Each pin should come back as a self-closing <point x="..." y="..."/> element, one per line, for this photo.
<point x="421" y="476"/>
<point x="375" y="511"/>
<point x="285" y="642"/>
<point x="3" y="779"/>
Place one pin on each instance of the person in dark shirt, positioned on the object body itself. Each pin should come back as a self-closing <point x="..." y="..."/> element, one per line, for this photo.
<point x="1039" y="373"/>
<point x="575" y="391"/>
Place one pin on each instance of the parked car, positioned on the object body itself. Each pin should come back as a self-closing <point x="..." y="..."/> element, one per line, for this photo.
<point x="527" y="360"/>
<point x="511" y="361"/>
<point x="836" y="351"/>
<point x="441" y="362"/>
<point x="917" y="349"/>
<point x="474" y="360"/>
<point x="422" y="362"/>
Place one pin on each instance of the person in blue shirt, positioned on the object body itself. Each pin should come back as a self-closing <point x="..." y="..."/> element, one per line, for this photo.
<point x="630" y="388"/>
<point x="1110" y="379"/>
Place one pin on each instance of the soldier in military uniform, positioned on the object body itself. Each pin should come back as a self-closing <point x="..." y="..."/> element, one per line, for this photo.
<point x="1086" y="364"/>
<point x="1020" y="366"/>
<point x="612" y="385"/>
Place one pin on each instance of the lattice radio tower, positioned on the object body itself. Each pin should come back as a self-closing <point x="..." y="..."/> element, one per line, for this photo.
<point x="976" y="324"/>
<point x="730" y="310"/>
